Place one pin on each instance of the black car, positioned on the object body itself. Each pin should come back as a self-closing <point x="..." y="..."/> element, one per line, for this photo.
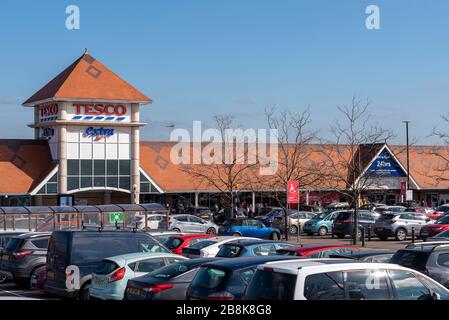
<point x="379" y="256"/>
<point x="85" y="250"/>
<point x="344" y="222"/>
<point x="24" y="254"/>
<point x="430" y="258"/>
<point x="226" y="279"/>
<point x="168" y="283"/>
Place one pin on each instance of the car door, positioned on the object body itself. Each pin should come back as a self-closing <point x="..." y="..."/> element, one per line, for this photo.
<point x="197" y="224"/>
<point x="183" y="223"/>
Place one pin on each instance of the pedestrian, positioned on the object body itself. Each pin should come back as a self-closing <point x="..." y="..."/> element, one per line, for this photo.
<point x="250" y="211"/>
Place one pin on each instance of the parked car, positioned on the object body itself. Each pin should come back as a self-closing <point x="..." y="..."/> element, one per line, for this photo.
<point x="429" y="212"/>
<point x="297" y="219"/>
<point x="338" y="206"/>
<point x="226" y="279"/>
<point x="430" y="258"/>
<point x="334" y="279"/>
<point x="399" y="225"/>
<point x="309" y="208"/>
<point x="383" y="256"/>
<point x="209" y="247"/>
<point x="443" y="236"/>
<point x="268" y="218"/>
<point x="23" y="255"/>
<point x="168" y="283"/>
<point x="443" y="209"/>
<point x="316" y="250"/>
<point x="344" y="222"/>
<point x="177" y="242"/>
<point x="163" y="236"/>
<point x="155" y="221"/>
<point x="5" y="236"/>
<point x="389" y="209"/>
<point x="432" y="229"/>
<point x="223" y="215"/>
<point x="202" y="212"/>
<point x="320" y="224"/>
<point x="248" y="228"/>
<point x="372" y="206"/>
<point x="249" y="248"/>
<point x="110" y="278"/>
<point x="189" y="223"/>
<point x="86" y="250"/>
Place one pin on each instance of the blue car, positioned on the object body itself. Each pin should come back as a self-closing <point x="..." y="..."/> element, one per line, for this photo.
<point x="267" y="219"/>
<point x="251" y="248"/>
<point x="248" y="228"/>
<point x="321" y="224"/>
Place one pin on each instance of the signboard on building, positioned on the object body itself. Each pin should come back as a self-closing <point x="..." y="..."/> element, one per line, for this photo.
<point x="99" y="112"/>
<point x="403" y="188"/>
<point x="385" y="166"/>
<point x="292" y="191"/>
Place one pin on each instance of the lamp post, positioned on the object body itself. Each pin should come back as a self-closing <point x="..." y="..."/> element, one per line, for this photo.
<point x="408" y="154"/>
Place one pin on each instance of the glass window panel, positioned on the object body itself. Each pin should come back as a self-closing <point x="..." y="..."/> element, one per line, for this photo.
<point x="99" y="181"/>
<point x="124" y="183"/>
<point x="72" y="183"/>
<point x="42" y="190"/>
<point x="86" y="167"/>
<point x="99" y="167"/>
<point x="52" y="187"/>
<point x="86" y="182"/>
<point x="73" y="167"/>
<point x="112" y="167"/>
<point x="54" y="178"/>
<point x="125" y="167"/>
<point x="144" y="187"/>
<point x="112" y="182"/>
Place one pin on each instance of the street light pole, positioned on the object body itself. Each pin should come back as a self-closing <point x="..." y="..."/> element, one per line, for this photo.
<point x="408" y="154"/>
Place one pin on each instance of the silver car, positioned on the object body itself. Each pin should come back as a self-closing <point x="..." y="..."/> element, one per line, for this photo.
<point x="400" y="224"/>
<point x="187" y="223"/>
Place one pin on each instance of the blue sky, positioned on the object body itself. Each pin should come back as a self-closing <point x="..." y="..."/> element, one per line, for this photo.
<point x="198" y="58"/>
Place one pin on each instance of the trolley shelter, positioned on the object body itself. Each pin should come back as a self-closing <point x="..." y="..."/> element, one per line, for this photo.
<point x="50" y="218"/>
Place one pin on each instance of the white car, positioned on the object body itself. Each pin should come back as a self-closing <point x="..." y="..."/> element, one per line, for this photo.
<point x="210" y="247"/>
<point x="190" y="223"/>
<point x="155" y="221"/>
<point x="335" y="279"/>
<point x="297" y="220"/>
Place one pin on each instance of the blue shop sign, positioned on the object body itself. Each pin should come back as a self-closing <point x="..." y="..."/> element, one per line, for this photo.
<point x="385" y="166"/>
<point x="99" y="133"/>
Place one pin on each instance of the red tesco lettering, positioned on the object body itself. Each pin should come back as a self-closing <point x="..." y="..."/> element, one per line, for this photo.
<point x="96" y="109"/>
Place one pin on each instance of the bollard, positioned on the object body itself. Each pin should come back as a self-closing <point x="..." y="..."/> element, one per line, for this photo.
<point x="413" y="234"/>
<point x="363" y="237"/>
<point x="369" y="233"/>
<point x="299" y="232"/>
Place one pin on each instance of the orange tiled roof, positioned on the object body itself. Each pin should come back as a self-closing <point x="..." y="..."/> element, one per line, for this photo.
<point x="87" y="78"/>
<point x="23" y="164"/>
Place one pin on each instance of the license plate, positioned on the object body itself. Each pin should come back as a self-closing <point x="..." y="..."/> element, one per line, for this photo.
<point x="134" y="291"/>
<point x="50" y="274"/>
<point x="99" y="282"/>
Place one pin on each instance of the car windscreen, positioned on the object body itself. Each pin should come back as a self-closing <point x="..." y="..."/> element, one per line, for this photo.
<point x="343" y="216"/>
<point x="443" y="220"/>
<point x="202" y="244"/>
<point x="168" y="272"/>
<point x="14" y="244"/>
<point x="106" y="267"/>
<point x="173" y="242"/>
<point x="283" y="252"/>
<point x="320" y="216"/>
<point x="229" y="251"/>
<point x="210" y="278"/>
<point x="269" y="285"/>
<point x="86" y="249"/>
<point x="416" y="260"/>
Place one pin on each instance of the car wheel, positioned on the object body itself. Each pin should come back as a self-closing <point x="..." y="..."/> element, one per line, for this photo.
<point x="293" y="229"/>
<point x="177" y="230"/>
<point x="401" y="234"/>
<point x="84" y="292"/>
<point x="236" y="234"/>
<point x="33" y="273"/>
<point x="211" y="231"/>
<point x="322" y="231"/>
<point x="274" y="236"/>
<point x="340" y="235"/>
<point x="382" y="237"/>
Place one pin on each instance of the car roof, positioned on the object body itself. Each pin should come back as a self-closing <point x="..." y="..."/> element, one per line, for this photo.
<point x="249" y="242"/>
<point x="194" y="236"/>
<point x="32" y="235"/>
<point x="311" y="246"/>
<point x="366" y="253"/>
<point x="243" y="262"/>
<point x="142" y="255"/>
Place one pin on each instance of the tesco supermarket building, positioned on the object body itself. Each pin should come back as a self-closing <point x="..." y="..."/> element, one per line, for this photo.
<point x="87" y="150"/>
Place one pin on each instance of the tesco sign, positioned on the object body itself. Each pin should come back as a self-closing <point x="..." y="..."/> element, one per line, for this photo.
<point x="97" y="109"/>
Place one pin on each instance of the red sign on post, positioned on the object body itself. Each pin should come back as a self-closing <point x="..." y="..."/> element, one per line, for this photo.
<point x="403" y="188"/>
<point x="292" y="191"/>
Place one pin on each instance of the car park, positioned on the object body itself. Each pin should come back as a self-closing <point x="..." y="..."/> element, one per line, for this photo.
<point x="189" y="223"/>
<point x="432" y="229"/>
<point x="344" y="222"/>
<point x="400" y="225"/>
<point x="110" y="278"/>
<point x="249" y="248"/>
<point x="297" y="219"/>
<point x="316" y="250"/>
<point x="248" y="228"/>
<point x="85" y="250"/>
<point x="320" y="224"/>
<point x="336" y="279"/>
<point x="177" y="242"/>
<point x="380" y="255"/>
<point x="210" y="247"/>
<point x="168" y="283"/>
<point x="430" y="258"/>
<point x="23" y="255"/>
<point x="226" y="279"/>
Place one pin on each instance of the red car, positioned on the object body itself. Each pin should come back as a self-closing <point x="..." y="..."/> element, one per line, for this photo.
<point x="429" y="212"/>
<point x="175" y="243"/>
<point x="432" y="229"/>
<point x="317" y="250"/>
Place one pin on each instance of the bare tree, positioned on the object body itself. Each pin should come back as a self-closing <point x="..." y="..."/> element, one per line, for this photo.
<point x="440" y="168"/>
<point x="356" y="141"/>
<point x="294" y="162"/>
<point x="229" y="171"/>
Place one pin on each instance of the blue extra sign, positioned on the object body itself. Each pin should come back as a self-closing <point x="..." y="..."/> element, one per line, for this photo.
<point x="385" y="166"/>
<point x="99" y="133"/>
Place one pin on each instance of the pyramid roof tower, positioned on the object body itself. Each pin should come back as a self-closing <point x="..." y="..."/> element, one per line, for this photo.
<point x="87" y="79"/>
